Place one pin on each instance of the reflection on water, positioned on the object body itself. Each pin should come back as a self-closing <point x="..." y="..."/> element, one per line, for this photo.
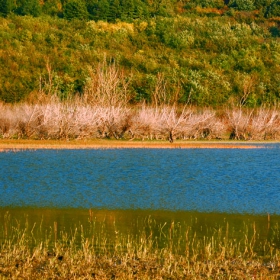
<point x="105" y="226"/>
<point x="204" y="180"/>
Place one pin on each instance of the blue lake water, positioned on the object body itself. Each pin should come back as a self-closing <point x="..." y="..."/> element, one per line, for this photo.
<point x="202" y="180"/>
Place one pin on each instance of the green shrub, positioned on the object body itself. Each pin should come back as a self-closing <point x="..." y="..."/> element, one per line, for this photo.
<point x="273" y="10"/>
<point x="242" y="5"/>
<point x="75" y="9"/>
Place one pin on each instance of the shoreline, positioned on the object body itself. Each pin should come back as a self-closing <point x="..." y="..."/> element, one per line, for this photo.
<point x="16" y="145"/>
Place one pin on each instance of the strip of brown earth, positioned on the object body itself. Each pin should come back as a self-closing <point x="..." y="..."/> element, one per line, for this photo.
<point x="114" y="144"/>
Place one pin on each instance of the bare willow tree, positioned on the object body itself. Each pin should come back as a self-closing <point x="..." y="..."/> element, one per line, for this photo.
<point x="203" y="124"/>
<point x="170" y="123"/>
<point x="145" y="123"/>
<point x="265" y="124"/>
<point x="239" y="121"/>
<point x="74" y="119"/>
<point x="247" y="85"/>
<point x="164" y="93"/>
<point x="107" y="86"/>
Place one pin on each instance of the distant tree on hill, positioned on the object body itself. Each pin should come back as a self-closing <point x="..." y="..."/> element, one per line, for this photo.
<point x="114" y="12"/>
<point x="211" y="3"/>
<point x="52" y="7"/>
<point x="28" y="7"/>
<point x="273" y="10"/>
<point x="260" y="4"/>
<point x="205" y="4"/>
<point x="99" y="9"/>
<point x="242" y="5"/>
<point x="6" y="6"/>
<point x="75" y="9"/>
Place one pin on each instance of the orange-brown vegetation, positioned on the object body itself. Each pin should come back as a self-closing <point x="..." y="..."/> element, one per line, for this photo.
<point x="81" y="119"/>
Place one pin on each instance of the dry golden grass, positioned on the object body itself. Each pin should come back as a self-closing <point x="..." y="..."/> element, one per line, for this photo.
<point x="183" y="255"/>
<point x="7" y="144"/>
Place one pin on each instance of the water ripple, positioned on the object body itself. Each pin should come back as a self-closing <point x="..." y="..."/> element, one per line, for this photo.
<point x="205" y="180"/>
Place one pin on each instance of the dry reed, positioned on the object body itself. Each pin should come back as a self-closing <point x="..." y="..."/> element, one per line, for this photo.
<point x="158" y="251"/>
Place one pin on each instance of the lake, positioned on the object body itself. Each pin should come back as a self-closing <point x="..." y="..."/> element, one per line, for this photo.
<point x="201" y="188"/>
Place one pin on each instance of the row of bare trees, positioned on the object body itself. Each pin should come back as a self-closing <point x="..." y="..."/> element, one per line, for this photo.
<point x="103" y="111"/>
<point x="79" y="119"/>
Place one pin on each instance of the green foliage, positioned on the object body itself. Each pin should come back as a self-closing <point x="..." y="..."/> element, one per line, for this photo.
<point x="196" y="60"/>
<point x="52" y="8"/>
<point x="75" y="9"/>
<point x="113" y="10"/>
<point x="28" y="7"/>
<point x="129" y="10"/>
<point x="6" y="7"/>
<point x="205" y="4"/>
<point x="212" y="4"/>
<point x="273" y="10"/>
<point x="262" y="4"/>
<point x="100" y="10"/>
<point x="242" y="5"/>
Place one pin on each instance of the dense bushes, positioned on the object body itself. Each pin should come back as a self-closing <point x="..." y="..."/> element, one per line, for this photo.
<point x="204" y="53"/>
<point x="128" y="10"/>
<point x="200" y="61"/>
<point x="75" y="10"/>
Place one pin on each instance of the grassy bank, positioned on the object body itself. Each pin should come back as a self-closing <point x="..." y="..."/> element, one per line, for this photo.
<point x="158" y="251"/>
<point x="16" y="145"/>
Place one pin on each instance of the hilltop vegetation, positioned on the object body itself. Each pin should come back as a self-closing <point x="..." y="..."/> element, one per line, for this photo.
<point x="128" y="10"/>
<point x="202" y="53"/>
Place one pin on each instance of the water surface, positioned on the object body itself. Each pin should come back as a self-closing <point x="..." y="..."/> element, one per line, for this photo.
<point x="202" y="180"/>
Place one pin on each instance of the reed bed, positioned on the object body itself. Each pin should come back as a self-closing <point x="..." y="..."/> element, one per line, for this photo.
<point x="157" y="251"/>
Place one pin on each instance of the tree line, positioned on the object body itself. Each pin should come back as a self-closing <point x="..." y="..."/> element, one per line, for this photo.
<point x="128" y="10"/>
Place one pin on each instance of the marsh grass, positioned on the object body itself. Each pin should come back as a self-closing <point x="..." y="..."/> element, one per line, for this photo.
<point x="99" y="250"/>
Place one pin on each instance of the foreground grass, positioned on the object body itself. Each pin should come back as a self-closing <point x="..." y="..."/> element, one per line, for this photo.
<point x="166" y="253"/>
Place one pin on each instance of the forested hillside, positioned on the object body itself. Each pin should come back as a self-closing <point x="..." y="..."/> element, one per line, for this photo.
<point x="202" y="52"/>
<point x="128" y="10"/>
